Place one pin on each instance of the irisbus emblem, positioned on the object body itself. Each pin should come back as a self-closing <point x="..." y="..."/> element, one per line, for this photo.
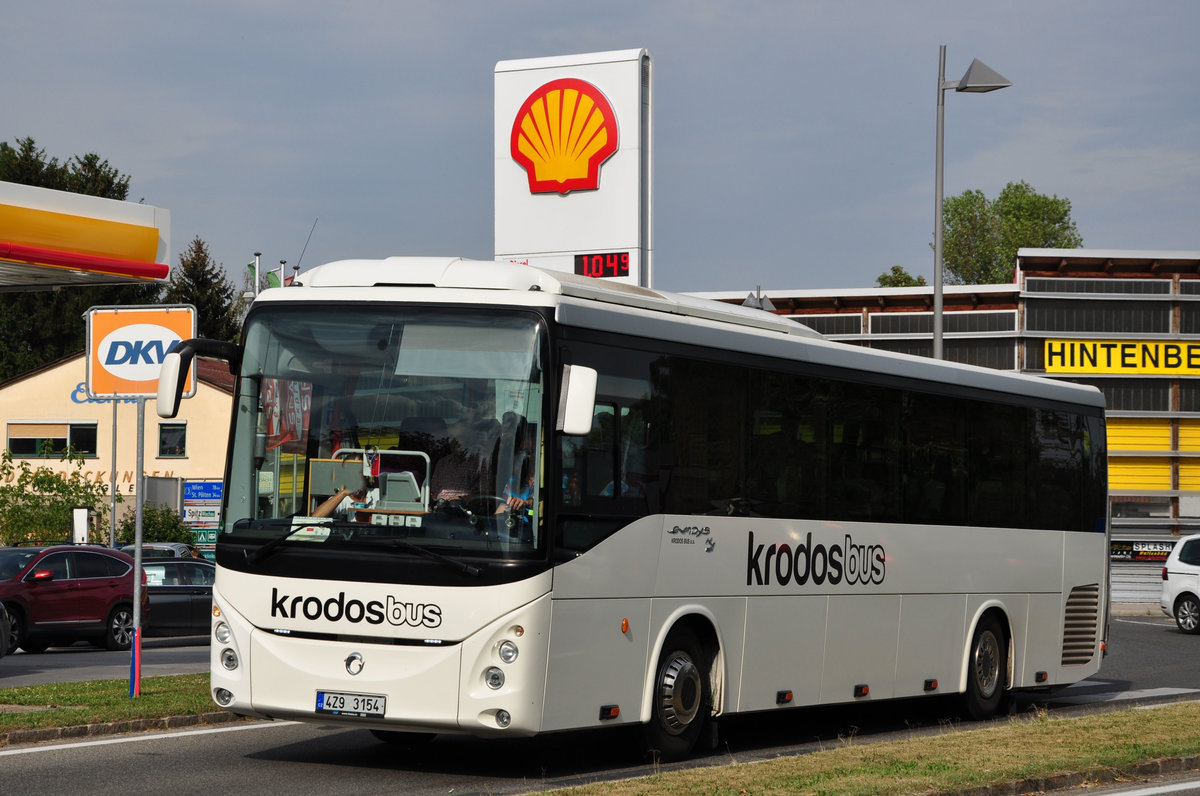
<point x="562" y="134"/>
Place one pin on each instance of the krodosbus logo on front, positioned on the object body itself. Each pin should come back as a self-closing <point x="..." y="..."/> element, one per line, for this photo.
<point x="337" y="609"/>
<point x="126" y="347"/>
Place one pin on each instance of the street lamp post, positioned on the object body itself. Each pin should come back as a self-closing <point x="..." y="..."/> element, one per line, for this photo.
<point x="979" y="78"/>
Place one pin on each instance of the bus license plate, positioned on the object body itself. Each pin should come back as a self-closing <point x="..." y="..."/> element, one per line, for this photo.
<point x="337" y="703"/>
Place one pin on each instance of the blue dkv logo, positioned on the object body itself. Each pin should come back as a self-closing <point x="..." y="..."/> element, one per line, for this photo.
<point x="136" y="352"/>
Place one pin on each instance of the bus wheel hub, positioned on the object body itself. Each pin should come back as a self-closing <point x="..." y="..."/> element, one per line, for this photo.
<point x="679" y="693"/>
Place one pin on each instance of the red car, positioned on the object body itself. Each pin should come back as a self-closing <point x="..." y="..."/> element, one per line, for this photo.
<point x="65" y="593"/>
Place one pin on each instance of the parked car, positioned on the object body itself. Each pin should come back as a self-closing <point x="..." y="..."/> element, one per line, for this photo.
<point x="181" y="592"/>
<point x="163" y="550"/>
<point x="4" y="632"/>
<point x="1181" y="584"/>
<point x="64" y="593"/>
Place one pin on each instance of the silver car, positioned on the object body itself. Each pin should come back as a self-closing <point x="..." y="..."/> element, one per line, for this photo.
<point x="1181" y="584"/>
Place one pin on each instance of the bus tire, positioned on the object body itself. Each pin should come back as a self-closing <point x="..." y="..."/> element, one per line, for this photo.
<point x="682" y="697"/>
<point x="987" y="665"/>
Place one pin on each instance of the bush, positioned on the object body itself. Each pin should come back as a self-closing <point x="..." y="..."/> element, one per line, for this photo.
<point x="159" y="524"/>
<point x="37" y="503"/>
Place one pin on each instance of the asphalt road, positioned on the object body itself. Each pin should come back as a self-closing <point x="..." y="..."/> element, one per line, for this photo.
<point x="1150" y="661"/>
<point x="82" y="661"/>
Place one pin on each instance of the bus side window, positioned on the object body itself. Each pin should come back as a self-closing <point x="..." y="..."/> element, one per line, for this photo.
<point x="588" y="461"/>
<point x="600" y="455"/>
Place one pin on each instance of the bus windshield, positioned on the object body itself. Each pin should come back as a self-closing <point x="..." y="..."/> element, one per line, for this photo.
<point x="408" y="429"/>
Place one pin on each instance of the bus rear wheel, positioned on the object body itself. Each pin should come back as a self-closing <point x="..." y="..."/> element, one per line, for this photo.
<point x="682" y="697"/>
<point x="986" y="668"/>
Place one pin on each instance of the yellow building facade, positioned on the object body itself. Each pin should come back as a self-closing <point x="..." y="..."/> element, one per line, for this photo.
<point x="47" y="409"/>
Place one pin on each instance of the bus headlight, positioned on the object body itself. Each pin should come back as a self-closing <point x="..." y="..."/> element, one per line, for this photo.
<point x="508" y="651"/>
<point x="494" y="678"/>
<point x="222" y="633"/>
<point x="222" y="697"/>
<point x="229" y="659"/>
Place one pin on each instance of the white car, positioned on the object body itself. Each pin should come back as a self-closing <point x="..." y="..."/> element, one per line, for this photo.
<point x="1181" y="584"/>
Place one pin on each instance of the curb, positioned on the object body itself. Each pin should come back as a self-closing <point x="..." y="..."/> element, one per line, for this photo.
<point x="1137" y="609"/>
<point x="115" y="727"/>
<point x="1148" y="769"/>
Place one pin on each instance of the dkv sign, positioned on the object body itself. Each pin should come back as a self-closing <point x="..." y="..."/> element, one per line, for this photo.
<point x="126" y="346"/>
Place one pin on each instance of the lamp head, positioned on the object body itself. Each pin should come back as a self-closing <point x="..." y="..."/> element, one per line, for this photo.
<point x="980" y="78"/>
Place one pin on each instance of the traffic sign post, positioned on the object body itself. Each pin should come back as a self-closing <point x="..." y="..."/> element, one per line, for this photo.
<point x="126" y="346"/>
<point x="202" y="511"/>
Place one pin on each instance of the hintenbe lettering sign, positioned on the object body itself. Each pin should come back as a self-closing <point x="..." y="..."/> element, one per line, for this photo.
<point x="1123" y="357"/>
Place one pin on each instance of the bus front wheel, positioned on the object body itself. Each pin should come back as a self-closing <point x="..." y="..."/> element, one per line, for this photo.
<point x="986" y="670"/>
<point x="682" y="697"/>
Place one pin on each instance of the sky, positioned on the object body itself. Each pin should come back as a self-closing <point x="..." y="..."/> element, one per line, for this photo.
<point x="794" y="142"/>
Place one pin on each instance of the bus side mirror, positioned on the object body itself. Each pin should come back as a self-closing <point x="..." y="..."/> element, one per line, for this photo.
<point x="170" y="382"/>
<point x="577" y="400"/>
<point x="173" y="375"/>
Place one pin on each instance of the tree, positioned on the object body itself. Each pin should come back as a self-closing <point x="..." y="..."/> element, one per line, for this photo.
<point x="43" y="326"/>
<point x="36" y="503"/>
<point x="159" y="524"/>
<point x="981" y="237"/>
<point x="199" y="281"/>
<point x="27" y="165"/>
<point x="898" y="277"/>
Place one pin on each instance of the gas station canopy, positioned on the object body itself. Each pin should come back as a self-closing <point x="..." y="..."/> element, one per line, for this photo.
<point x="52" y="238"/>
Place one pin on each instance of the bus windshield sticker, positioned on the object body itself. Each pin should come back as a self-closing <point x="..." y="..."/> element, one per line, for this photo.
<point x="309" y="529"/>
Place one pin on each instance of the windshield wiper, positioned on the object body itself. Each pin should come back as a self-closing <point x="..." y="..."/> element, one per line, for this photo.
<point x="349" y="532"/>
<point x="273" y="545"/>
<point x="409" y="547"/>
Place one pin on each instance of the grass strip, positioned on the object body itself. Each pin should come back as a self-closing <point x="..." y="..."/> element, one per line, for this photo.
<point x="1031" y="747"/>
<point x="97" y="701"/>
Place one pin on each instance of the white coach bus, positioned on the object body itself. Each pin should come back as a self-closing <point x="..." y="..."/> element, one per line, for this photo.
<point x="470" y="497"/>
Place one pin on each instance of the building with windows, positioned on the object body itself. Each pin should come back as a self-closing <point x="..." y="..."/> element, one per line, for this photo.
<point x="47" y="409"/>
<point x="1127" y="322"/>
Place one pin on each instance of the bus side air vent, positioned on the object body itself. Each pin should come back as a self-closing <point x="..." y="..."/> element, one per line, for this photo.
<point x="1080" y="620"/>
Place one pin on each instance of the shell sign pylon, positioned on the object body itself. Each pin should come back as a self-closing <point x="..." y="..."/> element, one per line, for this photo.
<point x="562" y="134"/>
<point x="571" y="152"/>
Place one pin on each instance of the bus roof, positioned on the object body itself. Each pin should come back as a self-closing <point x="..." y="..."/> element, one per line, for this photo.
<point x="656" y="314"/>
<point x="454" y="272"/>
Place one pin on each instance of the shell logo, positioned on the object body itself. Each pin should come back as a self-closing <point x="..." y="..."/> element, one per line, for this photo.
<point x="561" y="135"/>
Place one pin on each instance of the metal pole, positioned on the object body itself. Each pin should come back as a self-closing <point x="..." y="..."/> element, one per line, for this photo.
<point x="112" y="484"/>
<point x="138" y="505"/>
<point x="136" y="649"/>
<point x="937" y="210"/>
<point x="256" y="256"/>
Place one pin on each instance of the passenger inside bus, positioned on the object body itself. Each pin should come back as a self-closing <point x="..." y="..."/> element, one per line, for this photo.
<point x="467" y="468"/>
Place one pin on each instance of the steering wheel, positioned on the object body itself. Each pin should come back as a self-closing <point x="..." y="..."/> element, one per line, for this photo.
<point x="483" y="504"/>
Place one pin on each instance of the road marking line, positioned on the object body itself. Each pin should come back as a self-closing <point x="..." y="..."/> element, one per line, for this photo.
<point x="1157" y="789"/>
<point x="46" y="747"/>
<point x="1166" y="621"/>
